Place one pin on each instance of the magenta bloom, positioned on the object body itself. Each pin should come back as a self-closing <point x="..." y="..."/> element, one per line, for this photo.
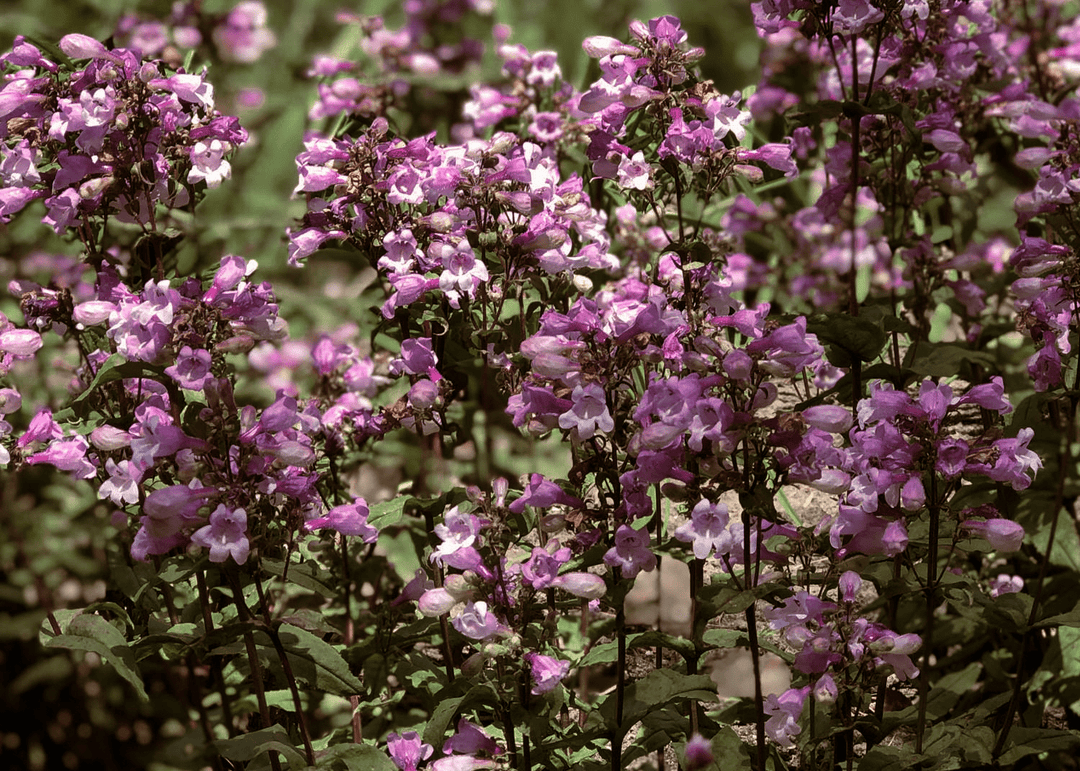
<point x="698" y="753"/>
<point x="192" y="369"/>
<point x="347" y="519"/>
<point x="1003" y="534"/>
<point x="784" y="712"/>
<point x="476" y="622"/>
<point x="546" y="672"/>
<point x="407" y="750"/>
<point x="469" y="740"/>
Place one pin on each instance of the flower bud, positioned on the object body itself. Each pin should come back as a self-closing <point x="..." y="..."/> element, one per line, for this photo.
<point x="93" y="312"/>
<point x="436" y="602"/>
<point x="110" y="438"/>
<point x="236" y="344"/>
<point x="1003" y="534"/>
<point x="79" y="46"/>
<point x="599" y="46"/>
<point x="588" y="586"/>
<point x="20" y="342"/>
<point x="828" y="417"/>
<point x="10" y="401"/>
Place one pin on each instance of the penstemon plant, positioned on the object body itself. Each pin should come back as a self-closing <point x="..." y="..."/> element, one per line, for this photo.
<point x="783" y="336"/>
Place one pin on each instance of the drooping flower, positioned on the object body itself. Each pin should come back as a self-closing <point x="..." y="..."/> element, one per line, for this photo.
<point x="546" y="672"/>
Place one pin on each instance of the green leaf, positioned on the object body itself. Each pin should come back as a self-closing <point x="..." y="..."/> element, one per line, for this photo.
<point x="318" y="663"/>
<point x="945" y="359"/>
<point x="1031" y="741"/>
<point x="307" y="574"/>
<point x="354" y="757"/>
<point x="387" y="513"/>
<point x="659" y="687"/>
<point x="116" y="367"/>
<point x="857" y="337"/>
<point x="251" y="745"/>
<point x="95" y="634"/>
<point x="440" y="719"/>
<point x="885" y="758"/>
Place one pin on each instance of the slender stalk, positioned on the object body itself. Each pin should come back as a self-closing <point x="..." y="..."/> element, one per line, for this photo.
<point x="697" y="578"/>
<point x="215" y="664"/>
<point x="286" y="668"/>
<point x="755" y="653"/>
<point x="620" y="687"/>
<point x="1065" y="462"/>
<point x="253" y="662"/>
<point x="931" y="606"/>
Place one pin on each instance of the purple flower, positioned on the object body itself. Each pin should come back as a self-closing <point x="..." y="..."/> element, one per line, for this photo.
<point x="417" y="358"/>
<point x="707" y="529"/>
<point x="825" y="690"/>
<point x="476" y="622"/>
<point x="546" y="672"/>
<point x="469" y="740"/>
<point x="784" y="711"/>
<point x="462" y="272"/>
<point x="407" y="750"/>
<point x="698" y="753"/>
<point x="1004" y="535"/>
<point x="631" y="552"/>
<point x="543" y="566"/>
<point x="225" y="536"/>
<point x="208" y="163"/>
<point x="588" y="414"/>
<point x="542" y="493"/>
<point x="192" y="369"/>
<point x="1005" y="584"/>
<point x="67" y="455"/>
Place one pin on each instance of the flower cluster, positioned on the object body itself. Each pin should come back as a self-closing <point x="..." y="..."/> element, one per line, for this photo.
<point x="116" y="136"/>
<point x="241" y="35"/>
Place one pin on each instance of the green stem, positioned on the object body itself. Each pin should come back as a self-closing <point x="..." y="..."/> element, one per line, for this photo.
<point x="755" y="653"/>
<point x="1065" y="462"/>
<point x="931" y="606"/>
<point x="253" y="660"/>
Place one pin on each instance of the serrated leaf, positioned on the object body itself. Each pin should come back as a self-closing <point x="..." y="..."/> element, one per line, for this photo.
<point x="317" y="662"/>
<point x="252" y="745"/>
<point x="95" y="634"/>
<point x="659" y="687"/>
<point x="354" y="757"/>
<point x="945" y="359"/>
<point x="1032" y="741"/>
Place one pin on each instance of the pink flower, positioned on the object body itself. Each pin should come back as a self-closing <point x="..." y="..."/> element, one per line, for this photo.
<point x="707" y="529"/>
<point x="407" y="750"/>
<point x="1004" y="535"/>
<point x="347" y="519"/>
<point x="546" y="671"/>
